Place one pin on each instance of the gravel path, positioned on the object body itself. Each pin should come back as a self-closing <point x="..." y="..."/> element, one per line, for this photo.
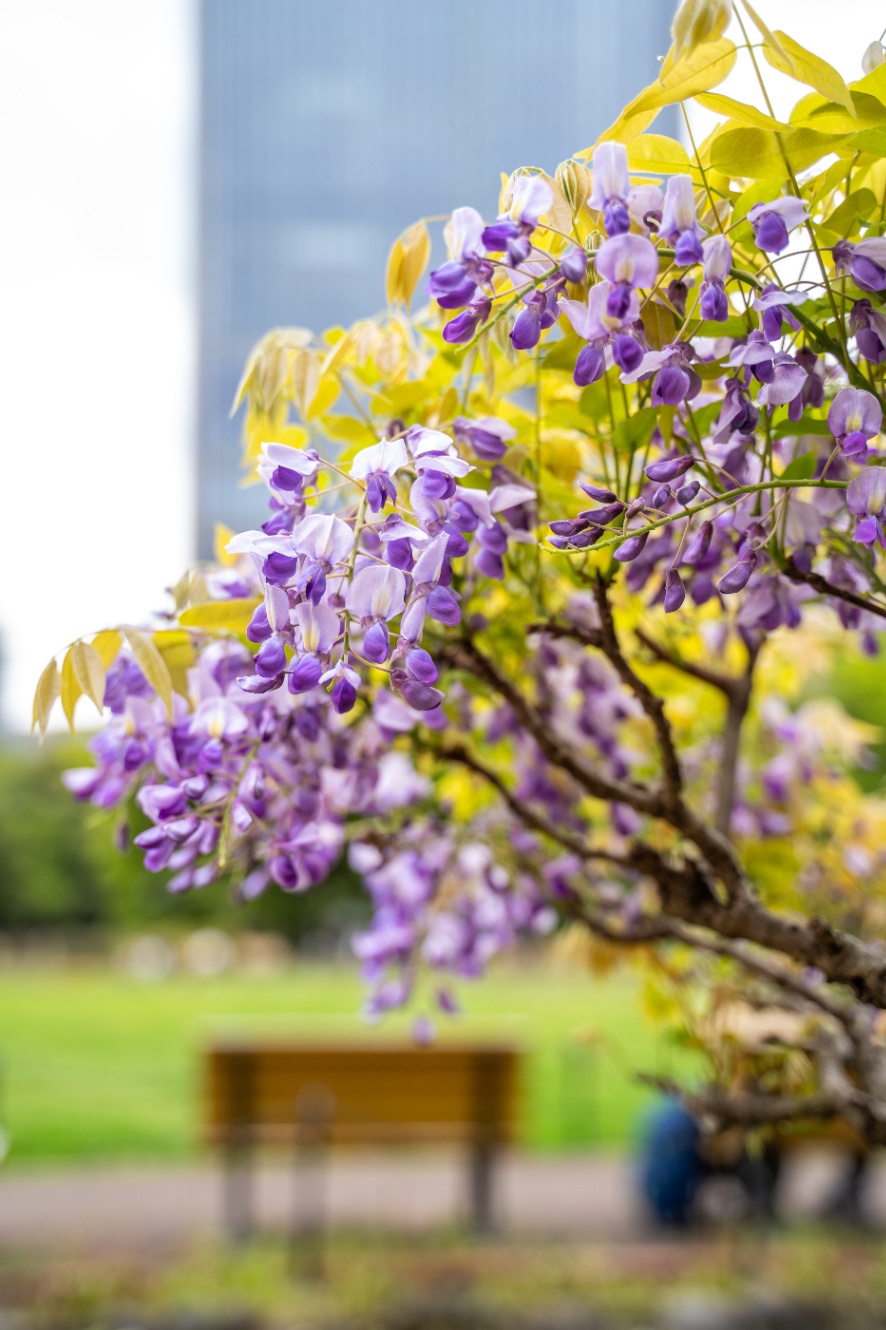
<point x="140" y="1208"/>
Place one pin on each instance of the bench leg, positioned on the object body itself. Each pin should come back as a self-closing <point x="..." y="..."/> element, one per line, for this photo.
<point x="482" y="1160"/>
<point x="307" y="1245"/>
<point x="237" y="1182"/>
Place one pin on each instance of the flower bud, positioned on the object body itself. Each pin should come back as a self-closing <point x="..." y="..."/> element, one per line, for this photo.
<point x="632" y="548"/>
<point x="670" y="468"/>
<point x="700" y="544"/>
<point x="597" y="492"/>
<point x="699" y="21"/>
<point x="675" y="591"/>
<point x="738" y="576"/>
<point x="873" y="57"/>
<point x="575" y="182"/>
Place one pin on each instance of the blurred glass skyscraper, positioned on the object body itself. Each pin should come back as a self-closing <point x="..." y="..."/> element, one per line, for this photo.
<point x="327" y="127"/>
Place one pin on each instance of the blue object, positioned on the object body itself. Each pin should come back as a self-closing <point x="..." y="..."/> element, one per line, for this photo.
<point x="671" y="1166"/>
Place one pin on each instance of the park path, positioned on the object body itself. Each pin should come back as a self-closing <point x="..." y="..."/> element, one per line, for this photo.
<point x="142" y="1208"/>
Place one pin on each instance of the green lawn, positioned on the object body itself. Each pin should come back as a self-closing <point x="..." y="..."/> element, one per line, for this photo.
<point x="95" y="1065"/>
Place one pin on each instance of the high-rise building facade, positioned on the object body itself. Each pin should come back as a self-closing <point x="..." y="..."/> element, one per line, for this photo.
<point x="326" y="128"/>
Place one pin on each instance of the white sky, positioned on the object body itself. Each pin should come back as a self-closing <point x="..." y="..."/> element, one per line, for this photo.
<point x="97" y="319"/>
<point x="97" y="328"/>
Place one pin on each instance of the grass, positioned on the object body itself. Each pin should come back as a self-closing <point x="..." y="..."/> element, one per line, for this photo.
<point x="98" y="1066"/>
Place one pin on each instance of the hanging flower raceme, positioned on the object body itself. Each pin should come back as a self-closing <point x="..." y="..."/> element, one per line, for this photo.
<point x="695" y="381"/>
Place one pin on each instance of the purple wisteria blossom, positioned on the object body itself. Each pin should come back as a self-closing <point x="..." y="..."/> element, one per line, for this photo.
<point x="679" y="225"/>
<point x="488" y="436"/>
<point x="772" y="222"/>
<point x="627" y="262"/>
<point x="866" y="500"/>
<point x="511" y="232"/>
<point x="457" y="282"/>
<point x="717" y="258"/>
<point x="869" y="327"/>
<point x="610" y="337"/>
<point x="855" y="416"/>
<point x="611" y="187"/>
<point x="774" y="304"/>
<point x="864" y="261"/>
<point x="376" y="466"/>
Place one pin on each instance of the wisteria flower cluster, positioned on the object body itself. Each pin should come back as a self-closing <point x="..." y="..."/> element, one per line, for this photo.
<point x="547" y="564"/>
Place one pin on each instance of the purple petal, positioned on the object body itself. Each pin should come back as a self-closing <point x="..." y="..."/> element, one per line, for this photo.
<point x="628" y="259"/>
<point x="855" y="410"/>
<point x="377" y="592"/>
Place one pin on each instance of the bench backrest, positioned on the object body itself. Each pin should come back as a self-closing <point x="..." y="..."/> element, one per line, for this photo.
<point x="360" y="1093"/>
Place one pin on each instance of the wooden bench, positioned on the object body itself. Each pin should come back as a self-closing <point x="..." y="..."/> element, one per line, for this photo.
<point x="312" y="1095"/>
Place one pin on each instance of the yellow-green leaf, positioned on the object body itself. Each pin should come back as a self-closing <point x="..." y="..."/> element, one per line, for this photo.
<point x="221" y="534"/>
<point x="177" y="649"/>
<point x="448" y="406"/>
<point x="305" y="380"/>
<point x="626" y="128"/>
<point x="416" y="252"/>
<point x="765" y="33"/>
<point x="659" y="325"/>
<point x="816" y="112"/>
<point x="219" y="616"/>
<point x="272" y="374"/>
<point x="870" y="140"/>
<point x="245" y="384"/>
<point x="658" y="154"/>
<point x="107" y="643"/>
<point x="337" y="353"/>
<point x="740" y="112"/>
<point x="842" y="221"/>
<point x="760" y="154"/>
<point x="71" y="689"/>
<point x="325" y="397"/>
<point x="90" y="672"/>
<point x="349" y="428"/>
<point x="151" y="664"/>
<point x="698" y="71"/>
<point x="45" y="697"/>
<point x="873" y="84"/>
<point x="394" y="273"/>
<point x="790" y="58"/>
